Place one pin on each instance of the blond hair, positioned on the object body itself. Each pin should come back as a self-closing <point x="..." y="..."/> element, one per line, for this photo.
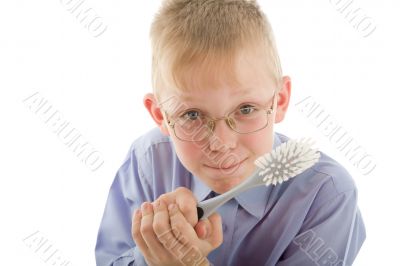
<point x="207" y="34"/>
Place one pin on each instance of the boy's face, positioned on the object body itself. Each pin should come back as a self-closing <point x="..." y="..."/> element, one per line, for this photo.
<point x="226" y="158"/>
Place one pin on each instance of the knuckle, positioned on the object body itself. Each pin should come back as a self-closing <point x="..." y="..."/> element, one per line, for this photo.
<point x="146" y="228"/>
<point x="158" y="227"/>
<point x="177" y="224"/>
<point x="183" y="190"/>
<point x="186" y="207"/>
<point x="163" y="197"/>
<point x="186" y="199"/>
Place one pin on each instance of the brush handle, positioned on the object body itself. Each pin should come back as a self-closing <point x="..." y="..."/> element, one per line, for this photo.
<point x="207" y="207"/>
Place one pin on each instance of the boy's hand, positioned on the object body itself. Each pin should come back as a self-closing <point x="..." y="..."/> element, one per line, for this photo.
<point x="187" y="204"/>
<point x="166" y="236"/>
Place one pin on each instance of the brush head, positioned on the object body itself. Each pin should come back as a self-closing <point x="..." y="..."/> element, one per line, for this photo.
<point x="287" y="160"/>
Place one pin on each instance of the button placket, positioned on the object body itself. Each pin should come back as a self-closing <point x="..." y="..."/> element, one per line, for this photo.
<point x="228" y="213"/>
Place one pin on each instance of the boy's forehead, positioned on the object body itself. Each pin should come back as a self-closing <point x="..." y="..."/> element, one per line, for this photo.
<point x="240" y="76"/>
<point x="213" y="99"/>
<point x="244" y="75"/>
<point x="193" y="95"/>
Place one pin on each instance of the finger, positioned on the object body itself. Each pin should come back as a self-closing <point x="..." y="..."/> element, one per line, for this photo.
<point x="186" y="201"/>
<point x="146" y="229"/>
<point x="181" y="225"/>
<point x="137" y="235"/>
<point x="215" y="236"/>
<point x="169" y="237"/>
<point x="188" y="240"/>
<point x="161" y="225"/>
<point x="203" y="228"/>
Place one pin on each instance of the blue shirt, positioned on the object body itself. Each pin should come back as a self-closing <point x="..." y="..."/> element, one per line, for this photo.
<point x="312" y="219"/>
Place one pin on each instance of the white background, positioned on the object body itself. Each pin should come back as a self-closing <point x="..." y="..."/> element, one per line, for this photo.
<point x="98" y="84"/>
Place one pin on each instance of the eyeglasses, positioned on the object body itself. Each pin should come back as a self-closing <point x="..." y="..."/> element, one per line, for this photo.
<point x="192" y="125"/>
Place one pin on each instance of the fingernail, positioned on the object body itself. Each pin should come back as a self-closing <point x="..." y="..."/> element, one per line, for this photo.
<point x="145" y="208"/>
<point x="156" y="204"/>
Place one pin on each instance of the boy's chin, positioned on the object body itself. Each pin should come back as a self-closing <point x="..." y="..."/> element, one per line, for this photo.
<point x="224" y="184"/>
<point x="222" y="180"/>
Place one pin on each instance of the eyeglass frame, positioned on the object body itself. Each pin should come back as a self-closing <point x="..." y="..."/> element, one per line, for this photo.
<point x="227" y="119"/>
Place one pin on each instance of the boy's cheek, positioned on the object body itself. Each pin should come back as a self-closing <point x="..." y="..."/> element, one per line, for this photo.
<point x="189" y="154"/>
<point x="259" y="143"/>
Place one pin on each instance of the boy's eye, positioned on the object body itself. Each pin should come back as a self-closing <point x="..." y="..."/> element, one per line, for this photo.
<point x="191" y="115"/>
<point x="246" y="109"/>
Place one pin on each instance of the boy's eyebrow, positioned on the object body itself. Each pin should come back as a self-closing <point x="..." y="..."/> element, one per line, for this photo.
<point x="242" y="92"/>
<point x="187" y="101"/>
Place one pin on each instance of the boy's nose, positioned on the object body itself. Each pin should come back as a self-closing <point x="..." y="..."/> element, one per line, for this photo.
<point x="223" y="137"/>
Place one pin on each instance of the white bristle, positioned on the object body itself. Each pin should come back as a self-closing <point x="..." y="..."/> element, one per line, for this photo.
<point x="286" y="161"/>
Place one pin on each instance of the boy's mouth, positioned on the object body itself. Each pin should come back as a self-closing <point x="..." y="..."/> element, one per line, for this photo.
<point x="230" y="167"/>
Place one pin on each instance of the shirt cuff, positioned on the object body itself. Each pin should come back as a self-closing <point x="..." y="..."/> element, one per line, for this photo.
<point x="132" y="257"/>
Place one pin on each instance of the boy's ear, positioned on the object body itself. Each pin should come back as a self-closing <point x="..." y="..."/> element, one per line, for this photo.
<point x="150" y="102"/>
<point x="283" y="98"/>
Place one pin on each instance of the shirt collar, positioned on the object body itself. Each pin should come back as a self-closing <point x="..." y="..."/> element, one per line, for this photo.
<point x="254" y="200"/>
<point x="199" y="189"/>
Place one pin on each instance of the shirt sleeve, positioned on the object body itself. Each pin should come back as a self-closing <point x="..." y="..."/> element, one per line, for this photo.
<point x="332" y="234"/>
<point x="115" y="246"/>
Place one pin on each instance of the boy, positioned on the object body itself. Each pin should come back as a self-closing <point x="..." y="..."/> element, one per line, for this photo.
<point x="218" y="90"/>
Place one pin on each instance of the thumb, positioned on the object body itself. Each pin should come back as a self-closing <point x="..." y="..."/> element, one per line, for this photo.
<point x="203" y="228"/>
<point x="213" y="227"/>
